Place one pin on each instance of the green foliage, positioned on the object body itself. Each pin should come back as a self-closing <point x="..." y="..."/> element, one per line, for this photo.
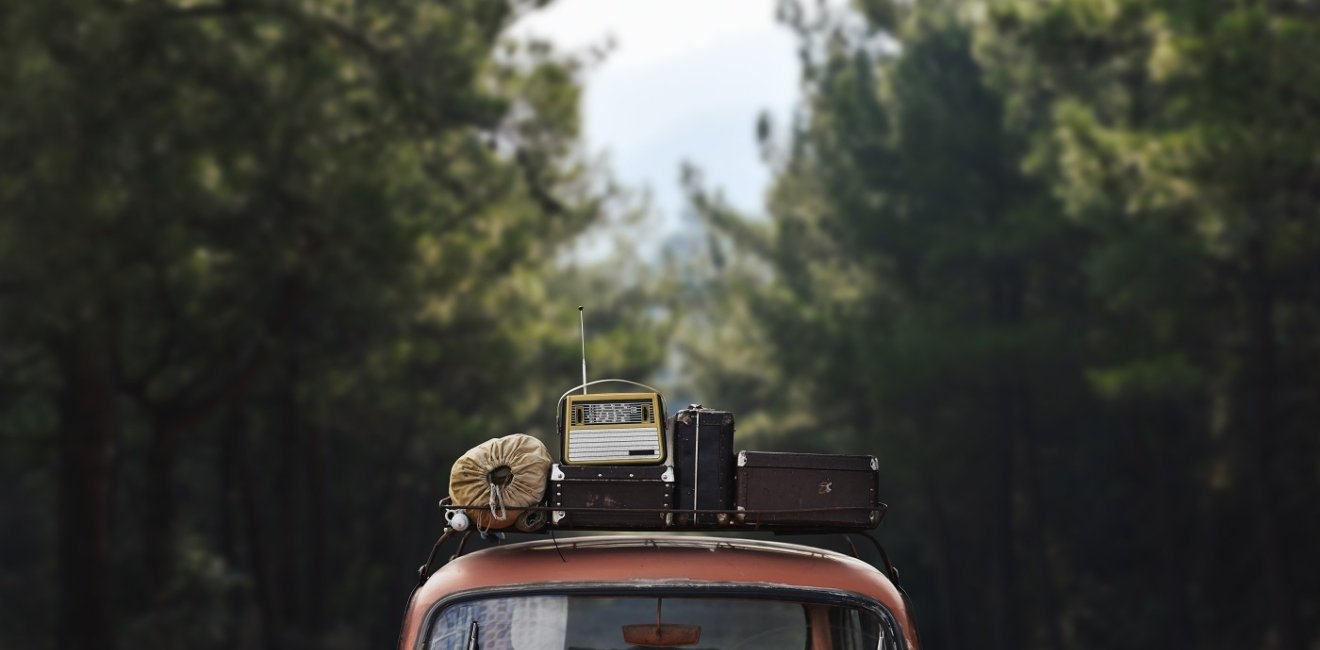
<point x="299" y="256"/>
<point x="267" y="268"/>
<point x="1050" y="261"/>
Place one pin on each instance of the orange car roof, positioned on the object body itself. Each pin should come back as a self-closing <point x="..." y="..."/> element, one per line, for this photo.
<point x="657" y="559"/>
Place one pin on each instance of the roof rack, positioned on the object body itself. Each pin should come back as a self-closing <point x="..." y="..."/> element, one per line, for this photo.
<point x="734" y="520"/>
<point x="496" y="537"/>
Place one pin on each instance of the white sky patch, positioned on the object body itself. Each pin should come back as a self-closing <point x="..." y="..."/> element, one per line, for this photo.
<point x="685" y="81"/>
<point x="648" y="32"/>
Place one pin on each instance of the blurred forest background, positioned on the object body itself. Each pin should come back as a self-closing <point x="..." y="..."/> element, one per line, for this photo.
<point x="268" y="267"/>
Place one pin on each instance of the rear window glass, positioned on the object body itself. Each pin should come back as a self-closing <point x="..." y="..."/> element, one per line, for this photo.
<point x="558" y="622"/>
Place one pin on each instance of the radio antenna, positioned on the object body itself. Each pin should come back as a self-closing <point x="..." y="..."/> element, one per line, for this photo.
<point x="582" y="327"/>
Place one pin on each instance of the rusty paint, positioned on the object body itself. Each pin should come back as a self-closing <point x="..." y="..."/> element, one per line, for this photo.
<point x="656" y="559"/>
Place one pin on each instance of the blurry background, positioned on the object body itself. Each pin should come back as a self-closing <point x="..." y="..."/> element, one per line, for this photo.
<point x="268" y="267"/>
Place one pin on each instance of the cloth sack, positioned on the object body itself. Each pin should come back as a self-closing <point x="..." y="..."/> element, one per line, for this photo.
<point x="499" y="474"/>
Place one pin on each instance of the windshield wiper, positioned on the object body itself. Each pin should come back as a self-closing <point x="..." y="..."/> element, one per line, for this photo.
<point x="472" y="643"/>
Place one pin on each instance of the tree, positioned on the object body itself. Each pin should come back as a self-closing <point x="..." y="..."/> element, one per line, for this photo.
<point x="1183" y="144"/>
<point x="224" y="218"/>
<point x="921" y="293"/>
<point x="1051" y="261"/>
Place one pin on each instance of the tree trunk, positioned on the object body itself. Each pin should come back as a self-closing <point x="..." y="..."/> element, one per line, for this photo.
<point x="288" y="529"/>
<point x="1018" y="450"/>
<point x="228" y="505"/>
<point x="158" y="518"/>
<point x="1006" y="625"/>
<point x="1172" y="515"/>
<point x="1034" y="519"/>
<point x="261" y="572"/>
<point x="316" y="533"/>
<point x="1258" y="440"/>
<point x="88" y="431"/>
<point x="171" y="418"/>
<point x="952" y="614"/>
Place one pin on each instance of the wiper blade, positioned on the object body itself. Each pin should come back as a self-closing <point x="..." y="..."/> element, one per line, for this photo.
<point x="473" y="631"/>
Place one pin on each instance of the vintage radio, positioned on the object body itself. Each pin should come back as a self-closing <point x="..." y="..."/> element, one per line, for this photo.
<point x="613" y="429"/>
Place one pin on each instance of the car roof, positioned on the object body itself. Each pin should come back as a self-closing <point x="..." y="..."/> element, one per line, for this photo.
<point x="655" y="560"/>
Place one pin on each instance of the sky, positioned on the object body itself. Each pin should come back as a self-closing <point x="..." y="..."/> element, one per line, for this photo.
<point x="685" y="81"/>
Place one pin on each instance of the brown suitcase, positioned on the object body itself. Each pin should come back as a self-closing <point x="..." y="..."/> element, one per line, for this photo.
<point x="602" y="496"/>
<point x="813" y="490"/>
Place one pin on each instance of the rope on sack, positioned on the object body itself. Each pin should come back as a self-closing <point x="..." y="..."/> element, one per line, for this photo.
<point x="496" y="499"/>
<point x="497" y="479"/>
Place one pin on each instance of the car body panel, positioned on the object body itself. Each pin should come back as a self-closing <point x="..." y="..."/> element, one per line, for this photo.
<point x="662" y="562"/>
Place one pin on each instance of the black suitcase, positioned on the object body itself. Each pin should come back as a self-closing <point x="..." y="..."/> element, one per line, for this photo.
<point x="608" y="490"/>
<point x="703" y="464"/>
<point x="843" y="490"/>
